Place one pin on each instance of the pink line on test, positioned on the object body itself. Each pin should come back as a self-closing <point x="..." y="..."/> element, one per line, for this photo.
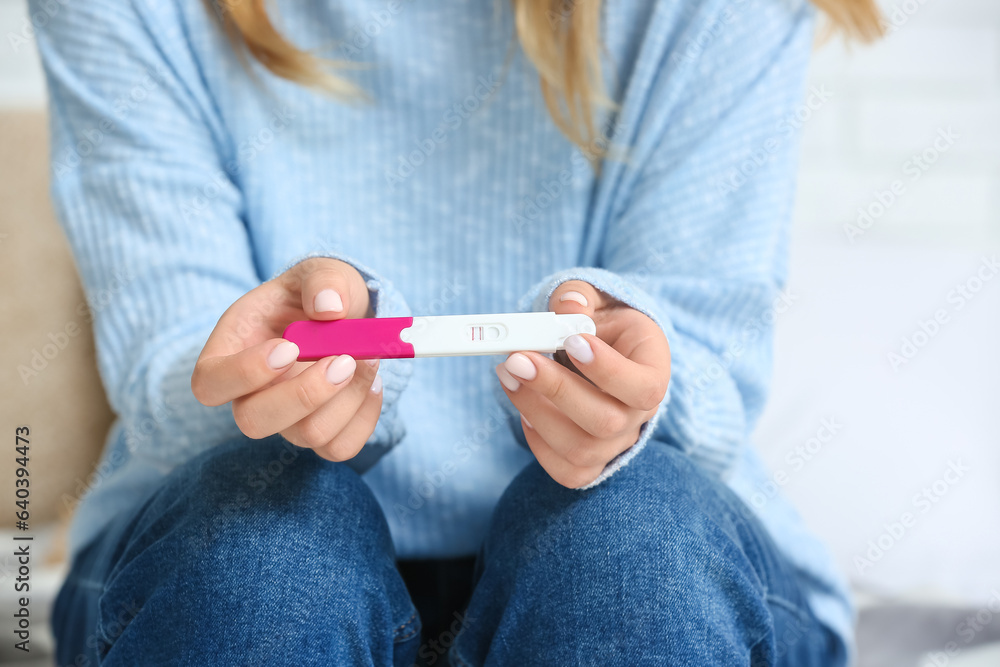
<point x="367" y="338"/>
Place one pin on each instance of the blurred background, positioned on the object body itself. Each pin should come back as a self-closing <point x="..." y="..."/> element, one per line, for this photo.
<point x="884" y="419"/>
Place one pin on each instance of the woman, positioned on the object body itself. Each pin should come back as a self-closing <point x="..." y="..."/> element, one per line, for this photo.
<point x="633" y="160"/>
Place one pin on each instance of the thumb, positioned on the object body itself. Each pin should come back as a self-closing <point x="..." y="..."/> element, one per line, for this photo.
<point x="575" y="296"/>
<point x="333" y="290"/>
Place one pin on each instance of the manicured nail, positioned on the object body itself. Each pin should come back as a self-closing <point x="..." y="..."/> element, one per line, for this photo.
<point x="507" y="379"/>
<point x="328" y="301"/>
<point x="574" y="296"/>
<point x="372" y="362"/>
<point x="283" y="354"/>
<point x="520" y="366"/>
<point x="341" y="369"/>
<point x="578" y="348"/>
<point x="526" y="422"/>
<point x="377" y="384"/>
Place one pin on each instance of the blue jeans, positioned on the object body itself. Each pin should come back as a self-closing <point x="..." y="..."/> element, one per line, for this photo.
<point x="259" y="553"/>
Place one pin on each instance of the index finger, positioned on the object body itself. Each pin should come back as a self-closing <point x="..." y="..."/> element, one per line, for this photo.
<point x="220" y="379"/>
<point x="254" y="318"/>
<point x="638" y="380"/>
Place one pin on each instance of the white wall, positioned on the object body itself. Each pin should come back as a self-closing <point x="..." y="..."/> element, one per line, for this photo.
<point x="865" y="297"/>
<point x="939" y="69"/>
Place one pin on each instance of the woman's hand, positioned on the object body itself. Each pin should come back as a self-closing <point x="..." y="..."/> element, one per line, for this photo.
<point x="330" y="405"/>
<point x="583" y="409"/>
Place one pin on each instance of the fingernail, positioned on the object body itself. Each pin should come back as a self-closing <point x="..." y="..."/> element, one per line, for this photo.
<point x="372" y="362"/>
<point x="526" y="422"/>
<point x="574" y="296"/>
<point x="377" y="384"/>
<point x="341" y="369"/>
<point x="507" y="379"/>
<point x="328" y="301"/>
<point x="578" y="348"/>
<point x="283" y="354"/>
<point x="520" y="366"/>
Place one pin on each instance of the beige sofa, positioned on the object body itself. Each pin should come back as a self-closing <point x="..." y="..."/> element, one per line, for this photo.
<point x="48" y="371"/>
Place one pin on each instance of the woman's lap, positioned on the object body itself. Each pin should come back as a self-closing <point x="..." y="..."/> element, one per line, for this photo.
<point x="660" y="564"/>
<point x="251" y="554"/>
<point x="261" y="553"/>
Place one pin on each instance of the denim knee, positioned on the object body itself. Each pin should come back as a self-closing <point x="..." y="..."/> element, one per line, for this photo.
<point x="250" y="547"/>
<point x="261" y="497"/>
<point x="660" y="505"/>
<point x="658" y="559"/>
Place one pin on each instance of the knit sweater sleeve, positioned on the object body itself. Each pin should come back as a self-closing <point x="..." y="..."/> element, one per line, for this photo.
<point x="690" y="228"/>
<point x="154" y="218"/>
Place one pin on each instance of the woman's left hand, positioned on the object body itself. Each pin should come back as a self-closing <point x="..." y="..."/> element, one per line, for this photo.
<point x="584" y="408"/>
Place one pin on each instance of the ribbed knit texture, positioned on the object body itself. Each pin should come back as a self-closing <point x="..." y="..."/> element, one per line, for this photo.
<point x="182" y="184"/>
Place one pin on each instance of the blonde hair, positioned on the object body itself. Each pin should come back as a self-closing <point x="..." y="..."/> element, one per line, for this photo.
<point x="560" y="37"/>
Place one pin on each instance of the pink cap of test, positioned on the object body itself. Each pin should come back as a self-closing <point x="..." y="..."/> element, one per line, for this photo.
<point x="367" y="338"/>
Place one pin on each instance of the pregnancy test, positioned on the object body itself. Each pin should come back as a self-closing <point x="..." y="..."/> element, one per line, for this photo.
<point x="435" y="336"/>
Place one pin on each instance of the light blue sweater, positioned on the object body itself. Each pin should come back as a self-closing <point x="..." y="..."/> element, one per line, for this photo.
<point x="182" y="185"/>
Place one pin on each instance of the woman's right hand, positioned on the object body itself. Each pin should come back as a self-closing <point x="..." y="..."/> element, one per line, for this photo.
<point x="330" y="405"/>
